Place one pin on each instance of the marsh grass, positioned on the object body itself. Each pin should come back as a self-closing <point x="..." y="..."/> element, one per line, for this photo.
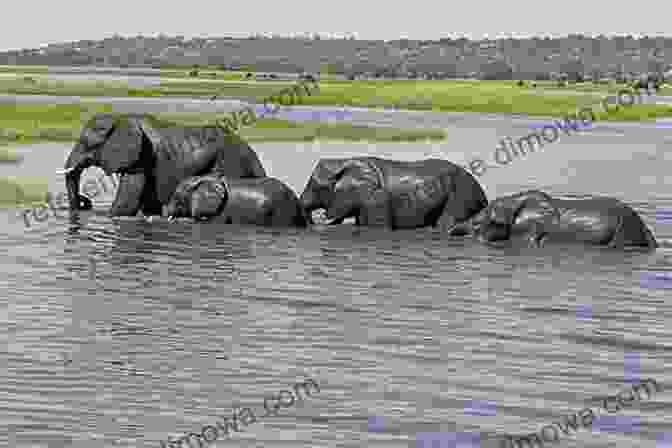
<point x="639" y="112"/>
<point x="164" y="71"/>
<point x="42" y="85"/>
<point x="8" y="156"/>
<point x="34" y="122"/>
<point x="452" y="95"/>
<point x="280" y="130"/>
<point x="24" y="69"/>
<point x="22" y="190"/>
<point x="277" y="130"/>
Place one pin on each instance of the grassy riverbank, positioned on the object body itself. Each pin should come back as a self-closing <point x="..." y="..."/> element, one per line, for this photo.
<point x="474" y="96"/>
<point x="443" y="95"/>
<point x="36" y="122"/>
<point x="8" y="156"/>
<point x="165" y="71"/>
<point x="22" y="190"/>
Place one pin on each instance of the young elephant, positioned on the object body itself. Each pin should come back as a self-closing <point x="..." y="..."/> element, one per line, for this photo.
<point x="540" y="217"/>
<point x="259" y="201"/>
<point x="392" y="193"/>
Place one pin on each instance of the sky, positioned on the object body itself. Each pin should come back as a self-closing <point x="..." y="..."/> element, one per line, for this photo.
<point x="31" y="24"/>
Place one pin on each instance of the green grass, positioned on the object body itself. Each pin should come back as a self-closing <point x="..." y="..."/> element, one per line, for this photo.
<point x="281" y="130"/>
<point x="7" y="155"/>
<point x="22" y="190"/>
<point x="165" y="70"/>
<point x="277" y="130"/>
<point x="443" y="95"/>
<point x="640" y="112"/>
<point x="34" y="122"/>
<point x="24" y="69"/>
<point x="41" y="85"/>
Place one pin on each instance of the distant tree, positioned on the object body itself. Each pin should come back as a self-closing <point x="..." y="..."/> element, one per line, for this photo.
<point x="498" y="69"/>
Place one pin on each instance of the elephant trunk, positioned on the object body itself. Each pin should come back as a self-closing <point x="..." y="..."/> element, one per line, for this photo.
<point x="470" y="226"/>
<point x="307" y="217"/>
<point x="169" y="211"/>
<point x="461" y="229"/>
<point x="306" y="200"/>
<point x="74" y="166"/>
<point x="309" y="199"/>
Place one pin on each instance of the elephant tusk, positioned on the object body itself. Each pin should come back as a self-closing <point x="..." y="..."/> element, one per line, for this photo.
<point x="65" y="171"/>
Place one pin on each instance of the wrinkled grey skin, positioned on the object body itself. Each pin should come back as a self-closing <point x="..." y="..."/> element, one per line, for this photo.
<point x="539" y="217"/>
<point x="393" y="194"/>
<point x="262" y="201"/>
<point x="151" y="161"/>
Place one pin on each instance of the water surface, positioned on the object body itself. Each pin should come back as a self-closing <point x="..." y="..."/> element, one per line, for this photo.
<point x="120" y="333"/>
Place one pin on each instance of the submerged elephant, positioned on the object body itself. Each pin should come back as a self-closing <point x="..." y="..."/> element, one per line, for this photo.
<point x="394" y="194"/>
<point x="540" y="217"/>
<point x="152" y="157"/>
<point x="262" y="201"/>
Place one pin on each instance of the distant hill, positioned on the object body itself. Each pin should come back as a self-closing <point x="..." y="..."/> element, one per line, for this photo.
<point x="533" y="58"/>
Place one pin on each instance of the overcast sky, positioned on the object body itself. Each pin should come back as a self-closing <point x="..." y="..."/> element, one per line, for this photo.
<point x="29" y="24"/>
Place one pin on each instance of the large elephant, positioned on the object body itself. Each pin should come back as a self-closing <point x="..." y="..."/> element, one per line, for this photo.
<point x="540" y="217"/>
<point x="152" y="157"/>
<point x="262" y="201"/>
<point x="393" y="194"/>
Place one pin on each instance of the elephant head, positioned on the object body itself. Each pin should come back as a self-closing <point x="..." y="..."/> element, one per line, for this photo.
<point x="495" y="222"/>
<point x="200" y="197"/>
<point x="112" y="142"/>
<point x="340" y="186"/>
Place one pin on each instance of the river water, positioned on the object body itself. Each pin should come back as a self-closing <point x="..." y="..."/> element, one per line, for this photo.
<point x="123" y="333"/>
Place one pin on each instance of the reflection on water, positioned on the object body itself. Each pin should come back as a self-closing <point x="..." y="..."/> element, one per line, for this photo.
<point x="123" y="332"/>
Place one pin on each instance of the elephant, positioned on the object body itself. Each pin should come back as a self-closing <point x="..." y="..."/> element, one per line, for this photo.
<point x="540" y="218"/>
<point x="152" y="157"/>
<point x="393" y="194"/>
<point x="260" y="201"/>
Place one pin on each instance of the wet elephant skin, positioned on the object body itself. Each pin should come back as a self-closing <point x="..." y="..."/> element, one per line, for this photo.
<point x="152" y="157"/>
<point x="540" y="217"/>
<point x="261" y="201"/>
<point x="393" y="194"/>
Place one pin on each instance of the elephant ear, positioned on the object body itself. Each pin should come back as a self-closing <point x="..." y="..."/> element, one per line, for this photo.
<point x="123" y="146"/>
<point x="208" y="199"/>
<point x="182" y="194"/>
<point x="166" y="173"/>
<point x="151" y="133"/>
<point x="326" y="170"/>
<point x="185" y="187"/>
